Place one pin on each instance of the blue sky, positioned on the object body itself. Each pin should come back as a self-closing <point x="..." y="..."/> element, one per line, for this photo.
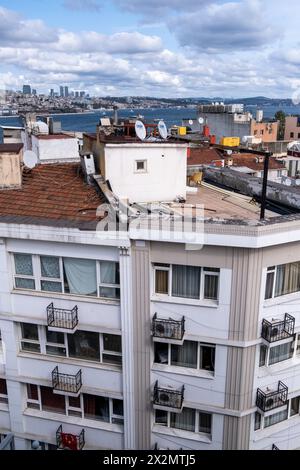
<point x="163" y="48"/>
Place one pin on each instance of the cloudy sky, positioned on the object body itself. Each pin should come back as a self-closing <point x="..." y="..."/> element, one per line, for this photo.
<point x="162" y="48"/>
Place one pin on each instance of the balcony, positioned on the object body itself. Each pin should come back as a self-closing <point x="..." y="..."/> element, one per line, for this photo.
<point x="66" y="441"/>
<point x="274" y="447"/>
<point x="269" y="400"/>
<point x="62" y="320"/>
<point x="168" y="399"/>
<point x="168" y="329"/>
<point x="65" y="384"/>
<point x="278" y="330"/>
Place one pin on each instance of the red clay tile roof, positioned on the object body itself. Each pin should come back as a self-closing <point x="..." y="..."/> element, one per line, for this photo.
<point x="10" y="148"/>
<point x="203" y="156"/>
<point x="53" y="194"/>
<point x="250" y="160"/>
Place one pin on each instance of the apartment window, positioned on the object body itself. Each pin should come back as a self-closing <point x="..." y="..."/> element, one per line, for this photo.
<point x="188" y="420"/>
<point x="191" y="354"/>
<point x="141" y="166"/>
<point x="24" y="272"/>
<point x="188" y="282"/>
<point x="275" y="418"/>
<point x="30" y="337"/>
<point x="3" y="391"/>
<point x="262" y="355"/>
<point x="292" y="134"/>
<point x="67" y="275"/>
<point x="294" y="409"/>
<point x="279" y="173"/>
<point x="298" y="135"/>
<point x="262" y="132"/>
<point x="283" y="279"/>
<point x="109" y="279"/>
<point x="281" y="353"/>
<point x="83" y="345"/>
<point x="109" y="410"/>
<point x="257" y="421"/>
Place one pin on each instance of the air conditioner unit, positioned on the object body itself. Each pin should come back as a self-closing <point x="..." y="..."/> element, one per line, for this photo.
<point x="164" y="398"/>
<point x="165" y="330"/>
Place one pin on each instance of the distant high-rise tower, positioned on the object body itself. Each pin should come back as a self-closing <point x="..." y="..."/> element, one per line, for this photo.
<point x="76" y="94"/>
<point x="82" y="94"/>
<point x="52" y="93"/>
<point x="66" y="92"/>
<point x="26" y="90"/>
<point x="33" y="91"/>
<point x="62" y="94"/>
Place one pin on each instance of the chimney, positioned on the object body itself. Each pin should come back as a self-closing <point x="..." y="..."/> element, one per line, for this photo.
<point x="10" y="168"/>
<point x="116" y="120"/>
<point x="88" y="167"/>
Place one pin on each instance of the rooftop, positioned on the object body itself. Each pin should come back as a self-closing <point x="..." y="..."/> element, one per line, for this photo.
<point x="54" y="136"/>
<point x="124" y="139"/>
<point x="52" y="195"/>
<point x="10" y="148"/>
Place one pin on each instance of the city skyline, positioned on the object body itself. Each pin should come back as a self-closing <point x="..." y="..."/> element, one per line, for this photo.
<point x="216" y="48"/>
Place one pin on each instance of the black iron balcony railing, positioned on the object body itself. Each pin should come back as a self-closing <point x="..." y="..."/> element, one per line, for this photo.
<point x="274" y="447"/>
<point x="168" y="398"/>
<point x="168" y="328"/>
<point x="278" y="330"/>
<point x="69" y="441"/>
<point x="65" y="382"/>
<point x="61" y="318"/>
<point x="267" y="401"/>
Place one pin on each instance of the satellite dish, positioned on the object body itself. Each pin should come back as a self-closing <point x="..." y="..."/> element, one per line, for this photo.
<point x="191" y="122"/>
<point x="201" y="120"/>
<point x="30" y="159"/>
<point x="140" y="130"/>
<point x="162" y="129"/>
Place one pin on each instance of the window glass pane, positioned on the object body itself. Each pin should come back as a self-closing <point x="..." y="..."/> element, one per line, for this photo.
<point x="84" y="345"/>
<point x="262" y="355"/>
<point x="185" y="355"/>
<point x="50" y="267"/>
<point x="109" y="272"/>
<point x="257" y="422"/>
<point x="56" y="351"/>
<point x="3" y="388"/>
<point x="161" y="417"/>
<point x="184" y="420"/>
<point x="51" y="401"/>
<point x="298" y="344"/>
<point x="109" y="292"/>
<point x="161" y="281"/>
<point x="276" y="418"/>
<point x="29" y="331"/>
<point x="161" y="353"/>
<point x="74" y="402"/>
<point x="112" y="343"/>
<point x="295" y="406"/>
<point x="287" y="279"/>
<point x="281" y="353"/>
<point x="96" y="407"/>
<point x="31" y="347"/>
<point x="205" y="423"/>
<point x="24" y="283"/>
<point x="32" y="392"/>
<point x="23" y="264"/>
<point x="110" y="359"/>
<point x="269" y="285"/>
<point x="211" y="285"/>
<point x="186" y="281"/>
<point x="118" y="407"/>
<point x="80" y="276"/>
<point x="55" y="337"/>
<point x="49" y="286"/>
<point x="207" y="357"/>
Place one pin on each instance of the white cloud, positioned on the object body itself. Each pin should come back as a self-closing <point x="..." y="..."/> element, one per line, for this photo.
<point x="86" y="5"/>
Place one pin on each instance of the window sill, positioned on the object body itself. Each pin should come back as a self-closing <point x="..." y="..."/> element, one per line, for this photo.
<point x="281" y="299"/>
<point x="69" y="361"/>
<point x="4" y="407"/>
<point x="82" y="422"/>
<point x="57" y="295"/>
<point x="182" y="301"/>
<point x="279" y="366"/>
<point x="192" y="436"/>
<point x="203" y="374"/>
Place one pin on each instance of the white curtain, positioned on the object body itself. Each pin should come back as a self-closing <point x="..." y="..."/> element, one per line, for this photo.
<point x="281" y="353"/>
<point x="185" y="355"/>
<point x="287" y="279"/>
<point x="184" y="420"/>
<point x="276" y="418"/>
<point x="50" y="267"/>
<point x="108" y="272"/>
<point x="81" y="276"/>
<point x="186" y="281"/>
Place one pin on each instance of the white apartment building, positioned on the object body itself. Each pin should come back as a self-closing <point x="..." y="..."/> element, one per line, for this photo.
<point x="137" y="342"/>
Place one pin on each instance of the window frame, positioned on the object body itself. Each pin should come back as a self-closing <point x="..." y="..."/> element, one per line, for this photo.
<point x="197" y="422"/>
<point x="204" y="271"/>
<point x="145" y="168"/>
<point x="200" y="345"/>
<point x="293" y="340"/>
<point x="4" y="396"/>
<point x="38" y="278"/>
<point x="273" y="270"/>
